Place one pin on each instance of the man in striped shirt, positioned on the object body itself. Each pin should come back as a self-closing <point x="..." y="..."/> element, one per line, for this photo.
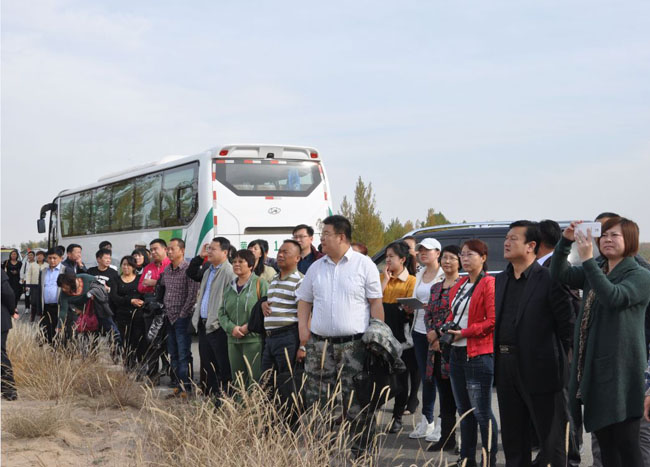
<point x="281" y="311"/>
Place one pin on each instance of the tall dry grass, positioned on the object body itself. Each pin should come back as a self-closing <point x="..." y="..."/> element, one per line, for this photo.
<point x="35" y="422"/>
<point x="81" y="369"/>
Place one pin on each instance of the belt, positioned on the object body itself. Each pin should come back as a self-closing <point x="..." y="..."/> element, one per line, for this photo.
<point x="339" y="339"/>
<point x="507" y="349"/>
<point x="276" y="331"/>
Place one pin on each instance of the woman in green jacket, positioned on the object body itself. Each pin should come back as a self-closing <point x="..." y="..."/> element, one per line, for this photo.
<point x="238" y="301"/>
<point x="609" y="343"/>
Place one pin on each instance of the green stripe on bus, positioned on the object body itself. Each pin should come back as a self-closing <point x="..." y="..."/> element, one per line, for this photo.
<point x="205" y="228"/>
<point x="167" y="235"/>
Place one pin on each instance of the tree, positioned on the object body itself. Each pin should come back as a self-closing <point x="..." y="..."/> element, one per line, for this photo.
<point x="394" y="231"/>
<point x="367" y="226"/>
<point x="33" y="245"/>
<point x="434" y="218"/>
<point x="408" y="226"/>
<point x="346" y="209"/>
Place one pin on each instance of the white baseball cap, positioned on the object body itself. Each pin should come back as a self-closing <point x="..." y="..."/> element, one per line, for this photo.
<point x="429" y="244"/>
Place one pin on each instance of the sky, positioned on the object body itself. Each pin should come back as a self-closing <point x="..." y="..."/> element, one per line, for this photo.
<point x="494" y="110"/>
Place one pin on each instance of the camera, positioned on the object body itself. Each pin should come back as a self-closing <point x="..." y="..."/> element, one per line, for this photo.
<point x="446" y="338"/>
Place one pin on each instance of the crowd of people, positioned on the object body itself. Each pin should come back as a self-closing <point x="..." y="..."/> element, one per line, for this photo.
<point x="564" y="345"/>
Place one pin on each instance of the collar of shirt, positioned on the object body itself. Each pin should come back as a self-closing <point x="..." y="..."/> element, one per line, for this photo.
<point x="544" y="258"/>
<point x="215" y="268"/>
<point x="56" y="268"/>
<point x="525" y="274"/>
<point x="346" y="256"/>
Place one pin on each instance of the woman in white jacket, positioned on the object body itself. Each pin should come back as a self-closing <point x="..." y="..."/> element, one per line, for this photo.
<point x="428" y="255"/>
<point x="31" y="282"/>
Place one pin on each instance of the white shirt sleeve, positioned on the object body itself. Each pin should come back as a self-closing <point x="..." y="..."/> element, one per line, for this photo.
<point x="373" y="284"/>
<point x="305" y="291"/>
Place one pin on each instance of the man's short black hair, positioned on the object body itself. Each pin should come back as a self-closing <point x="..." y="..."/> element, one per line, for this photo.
<point x="223" y="242"/>
<point x="105" y="244"/>
<point x="160" y="241"/>
<point x="54" y="251"/>
<point x="309" y="229"/>
<point x="71" y="247"/>
<point x="341" y="225"/>
<point x="294" y="243"/>
<point x="40" y="252"/>
<point x="68" y="278"/>
<point x="605" y="214"/>
<point x="180" y="241"/>
<point x="550" y="232"/>
<point x="103" y="251"/>
<point x="532" y="231"/>
<point x="61" y="250"/>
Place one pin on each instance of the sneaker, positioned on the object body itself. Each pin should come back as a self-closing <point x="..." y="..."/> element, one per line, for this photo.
<point x="422" y="429"/>
<point x="436" y="432"/>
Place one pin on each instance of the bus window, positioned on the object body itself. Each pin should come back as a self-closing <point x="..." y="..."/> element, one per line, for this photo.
<point x="147" y="202"/>
<point x="270" y="177"/>
<point x="67" y="214"/>
<point x="122" y="206"/>
<point x="179" y="194"/>
<point x="82" y="214"/>
<point x="101" y="209"/>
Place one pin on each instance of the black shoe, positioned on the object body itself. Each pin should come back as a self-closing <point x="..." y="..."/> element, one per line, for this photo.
<point x="469" y="463"/>
<point x="396" y="425"/>
<point x="450" y="446"/>
<point x="11" y="396"/>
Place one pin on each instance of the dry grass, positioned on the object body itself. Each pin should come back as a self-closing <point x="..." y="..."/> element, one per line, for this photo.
<point x="41" y="373"/>
<point x="35" y="422"/>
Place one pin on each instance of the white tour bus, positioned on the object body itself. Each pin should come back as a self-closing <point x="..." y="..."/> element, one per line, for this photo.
<point x="241" y="192"/>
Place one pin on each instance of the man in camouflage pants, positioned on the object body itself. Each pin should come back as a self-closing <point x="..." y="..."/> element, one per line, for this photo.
<point x="341" y="291"/>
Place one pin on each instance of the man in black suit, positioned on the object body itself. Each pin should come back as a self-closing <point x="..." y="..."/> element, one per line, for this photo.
<point x="533" y="330"/>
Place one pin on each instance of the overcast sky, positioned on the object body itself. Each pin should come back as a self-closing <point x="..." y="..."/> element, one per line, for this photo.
<point x="482" y="110"/>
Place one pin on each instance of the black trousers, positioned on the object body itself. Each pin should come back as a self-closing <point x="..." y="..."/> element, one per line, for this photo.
<point x="518" y="409"/>
<point x="134" y="341"/>
<point x="49" y="320"/>
<point x="619" y="444"/>
<point x="156" y="350"/>
<point x="215" y="366"/>
<point x="8" y="384"/>
<point x="411" y="374"/>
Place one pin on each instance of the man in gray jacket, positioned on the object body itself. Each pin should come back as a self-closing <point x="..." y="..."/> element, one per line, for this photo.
<point x="213" y="341"/>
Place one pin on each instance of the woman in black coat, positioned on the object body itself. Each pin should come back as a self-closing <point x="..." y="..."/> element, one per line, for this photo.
<point x="127" y="304"/>
<point x="12" y="267"/>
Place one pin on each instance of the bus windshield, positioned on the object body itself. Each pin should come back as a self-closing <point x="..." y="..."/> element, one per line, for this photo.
<point x="268" y="177"/>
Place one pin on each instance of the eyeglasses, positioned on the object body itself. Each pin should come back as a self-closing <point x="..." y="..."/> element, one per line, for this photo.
<point x="449" y="258"/>
<point x="328" y="234"/>
<point x="468" y="254"/>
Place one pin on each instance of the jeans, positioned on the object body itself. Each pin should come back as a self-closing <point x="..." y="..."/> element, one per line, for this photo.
<point x="108" y="325"/>
<point x="274" y="356"/>
<point x="421" y="347"/>
<point x="471" y="381"/>
<point x="179" y="346"/>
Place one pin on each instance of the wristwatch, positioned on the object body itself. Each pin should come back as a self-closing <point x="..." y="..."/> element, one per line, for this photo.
<point x="303" y="348"/>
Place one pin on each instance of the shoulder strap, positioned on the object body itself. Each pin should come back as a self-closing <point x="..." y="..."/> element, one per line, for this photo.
<point x="258" y="288"/>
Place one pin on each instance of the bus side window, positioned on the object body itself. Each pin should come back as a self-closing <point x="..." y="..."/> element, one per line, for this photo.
<point x="122" y="206"/>
<point x="179" y="193"/>
<point x="82" y="214"/>
<point x="147" y="202"/>
<point x="101" y="209"/>
<point x="67" y="215"/>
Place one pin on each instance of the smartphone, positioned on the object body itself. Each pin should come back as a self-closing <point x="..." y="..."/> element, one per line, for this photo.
<point x="594" y="226"/>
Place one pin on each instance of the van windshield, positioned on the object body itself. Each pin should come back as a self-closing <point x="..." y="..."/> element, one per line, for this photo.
<point x="268" y="177"/>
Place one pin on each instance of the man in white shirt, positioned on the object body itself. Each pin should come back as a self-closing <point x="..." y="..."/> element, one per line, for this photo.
<point x="341" y="291"/>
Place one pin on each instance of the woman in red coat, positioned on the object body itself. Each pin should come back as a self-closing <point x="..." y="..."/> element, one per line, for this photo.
<point x="471" y="351"/>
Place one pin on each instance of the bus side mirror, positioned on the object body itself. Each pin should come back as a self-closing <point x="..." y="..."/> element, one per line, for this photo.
<point x="40" y="224"/>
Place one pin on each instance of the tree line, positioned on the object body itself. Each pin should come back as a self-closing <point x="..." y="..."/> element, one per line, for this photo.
<point x="367" y="225"/>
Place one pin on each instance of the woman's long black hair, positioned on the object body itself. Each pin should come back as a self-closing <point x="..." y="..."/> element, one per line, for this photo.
<point x="402" y="250"/>
<point x="259" y="268"/>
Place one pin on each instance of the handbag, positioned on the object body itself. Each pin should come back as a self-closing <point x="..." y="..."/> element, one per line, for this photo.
<point x="376" y="383"/>
<point x="87" y="321"/>
<point x="256" y="319"/>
